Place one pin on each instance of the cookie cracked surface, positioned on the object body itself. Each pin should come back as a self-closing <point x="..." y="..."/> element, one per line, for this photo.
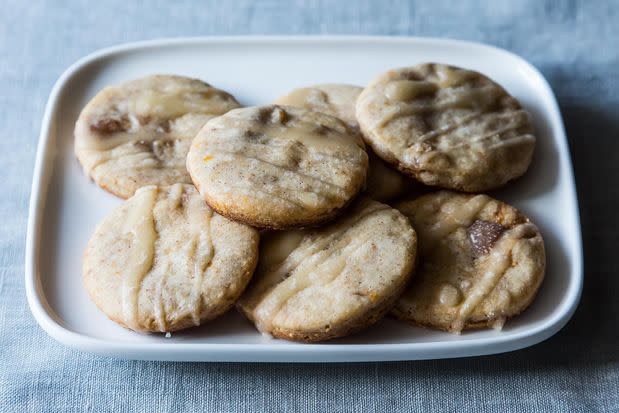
<point x="278" y="166"/>
<point x="447" y="127"/>
<point x="138" y="133"/>
<point x="313" y="285"/>
<point x="481" y="262"/>
<point x="163" y="261"/>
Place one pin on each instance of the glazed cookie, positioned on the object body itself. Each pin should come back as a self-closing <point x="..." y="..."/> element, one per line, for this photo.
<point x="277" y="166"/>
<point x="447" y="127"/>
<point x="480" y="262"/>
<point x="138" y="133"/>
<point x="383" y="182"/>
<point x="314" y="285"/>
<point x="164" y="261"/>
<point x="335" y="100"/>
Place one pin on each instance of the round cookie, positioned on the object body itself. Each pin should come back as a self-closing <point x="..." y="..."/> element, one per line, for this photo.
<point x="383" y="182"/>
<point x="446" y="127"/>
<point x="277" y="166"/>
<point x="314" y="285"/>
<point x="332" y="99"/>
<point x="138" y="133"/>
<point x="163" y="261"/>
<point x="481" y="262"/>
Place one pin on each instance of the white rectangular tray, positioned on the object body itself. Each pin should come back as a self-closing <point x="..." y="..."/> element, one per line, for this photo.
<point x="65" y="206"/>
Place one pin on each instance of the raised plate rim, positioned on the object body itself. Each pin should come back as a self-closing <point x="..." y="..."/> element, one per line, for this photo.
<point x="268" y="352"/>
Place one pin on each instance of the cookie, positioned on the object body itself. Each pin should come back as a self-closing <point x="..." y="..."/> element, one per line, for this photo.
<point x="163" y="261"/>
<point x="481" y="262"/>
<point x="277" y="166"/>
<point x="383" y="182"/>
<point x="446" y="127"/>
<point x="314" y="285"/>
<point x="138" y="133"/>
<point x="332" y="99"/>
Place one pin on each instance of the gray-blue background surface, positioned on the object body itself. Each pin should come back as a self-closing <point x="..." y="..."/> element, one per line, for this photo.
<point x="576" y="46"/>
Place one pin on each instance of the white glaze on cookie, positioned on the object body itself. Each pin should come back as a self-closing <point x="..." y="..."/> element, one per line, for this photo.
<point x="332" y="99"/>
<point x="276" y="166"/>
<point x="496" y="264"/>
<point x="464" y="278"/>
<point x="140" y="228"/>
<point x="163" y="261"/>
<point x="331" y="280"/>
<point x="446" y="126"/>
<point x="383" y="183"/>
<point x="138" y="133"/>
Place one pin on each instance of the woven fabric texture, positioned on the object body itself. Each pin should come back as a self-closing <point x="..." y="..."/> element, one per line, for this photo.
<point x="573" y="43"/>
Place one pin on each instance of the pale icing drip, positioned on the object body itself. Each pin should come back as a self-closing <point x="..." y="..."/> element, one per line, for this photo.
<point x="452" y="77"/>
<point x="301" y="162"/>
<point x="504" y="298"/>
<point x="302" y="277"/>
<point x="335" y="100"/>
<point x="144" y="136"/>
<point x="202" y="249"/>
<point x="501" y="142"/>
<point x="449" y="295"/>
<point x="332" y="190"/>
<point x="95" y="143"/>
<point x="515" y="141"/>
<point x="310" y="263"/>
<point x="321" y="268"/>
<point x="140" y="227"/>
<point x="159" y="306"/>
<point x="308" y="133"/>
<point x="450" y="128"/>
<point x="458" y="217"/>
<point x="498" y="323"/>
<point x="175" y="193"/>
<point x="309" y="97"/>
<point x="514" y="124"/>
<point x="149" y="110"/>
<point x="478" y="99"/>
<point x="496" y="263"/>
<point x="405" y="90"/>
<point x="172" y="105"/>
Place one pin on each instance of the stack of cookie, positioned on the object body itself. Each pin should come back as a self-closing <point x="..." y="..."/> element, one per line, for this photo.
<point x="308" y="213"/>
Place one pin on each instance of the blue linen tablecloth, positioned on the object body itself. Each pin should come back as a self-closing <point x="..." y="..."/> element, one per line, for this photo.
<point x="574" y="44"/>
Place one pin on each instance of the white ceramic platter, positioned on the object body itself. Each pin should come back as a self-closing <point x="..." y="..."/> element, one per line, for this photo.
<point x="65" y="206"/>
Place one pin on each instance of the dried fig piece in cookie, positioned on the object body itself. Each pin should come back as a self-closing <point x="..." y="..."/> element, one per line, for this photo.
<point x="163" y="261"/>
<point x="446" y="126"/>
<point x="483" y="234"/>
<point x="314" y="285"/>
<point x="481" y="262"/>
<point x="138" y="133"/>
